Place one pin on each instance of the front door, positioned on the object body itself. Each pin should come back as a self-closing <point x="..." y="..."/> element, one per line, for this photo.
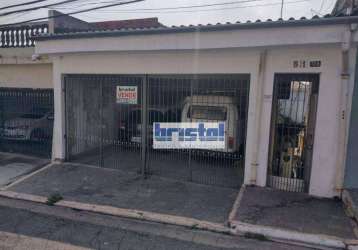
<point x="292" y="131"/>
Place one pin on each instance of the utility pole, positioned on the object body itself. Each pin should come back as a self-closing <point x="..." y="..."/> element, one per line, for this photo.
<point x="281" y="9"/>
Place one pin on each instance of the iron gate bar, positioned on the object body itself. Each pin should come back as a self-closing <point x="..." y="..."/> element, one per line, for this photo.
<point x="101" y="123"/>
<point x="160" y="99"/>
<point x="191" y="120"/>
<point x="26" y="121"/>
<point x="144" y="126"/>
<point x="292" y="130"/>
<point x="206" y="161"/>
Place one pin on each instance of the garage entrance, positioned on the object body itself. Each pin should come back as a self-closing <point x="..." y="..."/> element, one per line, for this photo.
<point x="26" y="121"/>
<point x="109" y="123"/>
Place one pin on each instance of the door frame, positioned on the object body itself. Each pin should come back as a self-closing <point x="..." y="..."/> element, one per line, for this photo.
<point x="314" y="78"/>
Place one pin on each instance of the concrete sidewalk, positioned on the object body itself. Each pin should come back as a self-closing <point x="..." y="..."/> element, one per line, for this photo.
<point x="262" y="213"/>
<point x="130" y="191"/>
<point x="13" y="166"/>
<point x="295" y="212"/>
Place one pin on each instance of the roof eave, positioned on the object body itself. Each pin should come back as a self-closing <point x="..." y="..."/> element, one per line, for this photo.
<point x="202" y="28"/>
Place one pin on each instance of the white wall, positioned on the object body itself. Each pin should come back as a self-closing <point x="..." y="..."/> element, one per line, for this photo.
<point x="326" y="134"/>
<point x="26" y="75"/>
<point x="241" y="38"/>
<point x="164" y="62"/>
<point x="13" y="53"/>
<point x="19" y="70"/>
<point x="279" y="60"/>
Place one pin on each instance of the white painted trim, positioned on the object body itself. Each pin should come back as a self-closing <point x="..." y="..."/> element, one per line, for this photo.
<point x="58" y="141"/>
<point x="268" y="37"/>
<point x="258" y="121"/>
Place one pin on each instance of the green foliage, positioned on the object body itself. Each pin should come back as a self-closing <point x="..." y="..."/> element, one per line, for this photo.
<point x="256" y="236"/>
<point x="53" y="198"/>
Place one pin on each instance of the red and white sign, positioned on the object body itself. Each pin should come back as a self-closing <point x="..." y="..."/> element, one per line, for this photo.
<point x="127" y="94"/>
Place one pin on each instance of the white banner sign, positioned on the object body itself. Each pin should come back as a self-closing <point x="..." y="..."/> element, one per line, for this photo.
<point x="195" y="135"/>
<point x="127" y="94"/>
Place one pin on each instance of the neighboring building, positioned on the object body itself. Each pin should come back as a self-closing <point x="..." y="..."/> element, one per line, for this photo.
<point x="26" y="79"/>
<point x="143" y="23"/>
<point x="26" y="88"/>
<point x="280" y="87"/>
<point x="345" y="7"/>
<point x="63" y="23"/>
<point x="351" y="171"/>
<point x="18" y="67"/>
<point x="350" y="7"/>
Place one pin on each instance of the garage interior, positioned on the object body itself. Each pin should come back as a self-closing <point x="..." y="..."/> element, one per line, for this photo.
<point x="103" y="131"/>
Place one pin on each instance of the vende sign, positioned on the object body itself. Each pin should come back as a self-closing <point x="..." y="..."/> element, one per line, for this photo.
<point x="127" y="94"/>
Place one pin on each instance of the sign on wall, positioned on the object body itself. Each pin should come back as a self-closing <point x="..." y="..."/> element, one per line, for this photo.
<point x="306" y="64"/>
<point x="127" y="95"/>
<point x="195" y="135"/>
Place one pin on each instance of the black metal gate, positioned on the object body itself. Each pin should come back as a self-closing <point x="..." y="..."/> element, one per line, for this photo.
<point x="292" y="131"/>
<point x="106" y="131"/>
<point x="26" y="121"/>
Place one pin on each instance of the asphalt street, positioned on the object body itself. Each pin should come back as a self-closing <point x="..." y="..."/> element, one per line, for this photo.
<point x="88" y="230"/>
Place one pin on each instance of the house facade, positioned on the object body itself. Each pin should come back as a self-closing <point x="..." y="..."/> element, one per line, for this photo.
<point x="282" y="88"/>
<point x="318" y="54"/>
<point x="26" y="91"/>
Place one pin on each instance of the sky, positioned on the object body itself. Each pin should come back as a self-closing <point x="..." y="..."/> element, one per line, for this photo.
<point x="232" y="11"/>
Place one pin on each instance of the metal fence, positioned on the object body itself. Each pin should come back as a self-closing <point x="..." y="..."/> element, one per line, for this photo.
<point x="26" y="121"/>
<point x="292" y="131"/>
<point x="102" y="131"/>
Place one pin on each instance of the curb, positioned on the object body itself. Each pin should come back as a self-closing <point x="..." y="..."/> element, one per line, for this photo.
<point x="319" y="241"/>
<point x="125" y="213"/>
<point x="236" y="205"/>
<point x="237" y="228"/>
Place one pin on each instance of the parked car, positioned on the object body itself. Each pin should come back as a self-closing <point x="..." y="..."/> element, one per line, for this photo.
<point x="154" y="115"/>
<point x="28" y="127"/>
<point x="214" y="108"/>
<point x="130" y="127"/>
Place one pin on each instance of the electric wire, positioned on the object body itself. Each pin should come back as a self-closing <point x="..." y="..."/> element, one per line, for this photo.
<point x="186" y="7"/>
<point x="205" y="10"/>
<point x="71" y="13"/>
<point x="36" y="8"/>
<point x="22" y="4"/>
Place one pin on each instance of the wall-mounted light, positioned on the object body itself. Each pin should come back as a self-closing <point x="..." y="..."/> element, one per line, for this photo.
<point x="35" y="57"/>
